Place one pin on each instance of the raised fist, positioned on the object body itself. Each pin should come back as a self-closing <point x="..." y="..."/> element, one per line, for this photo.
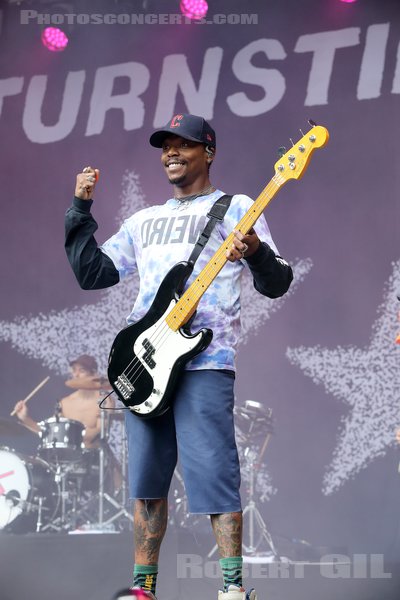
<point x="86" y="182"/>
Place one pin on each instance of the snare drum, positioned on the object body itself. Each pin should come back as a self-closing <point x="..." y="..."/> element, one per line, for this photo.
<point x="61" y="440"/>
<point x="29" y="494"/>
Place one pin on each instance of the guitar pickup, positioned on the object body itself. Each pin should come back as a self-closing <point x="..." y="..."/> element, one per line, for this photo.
<point x="148" y="355"/>
<point x="124" y="386"/>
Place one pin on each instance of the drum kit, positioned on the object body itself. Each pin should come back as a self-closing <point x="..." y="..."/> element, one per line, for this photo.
<point x="64" y="487"/>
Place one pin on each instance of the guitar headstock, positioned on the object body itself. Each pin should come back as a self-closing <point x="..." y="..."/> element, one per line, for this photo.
<point x="293" y="164"/>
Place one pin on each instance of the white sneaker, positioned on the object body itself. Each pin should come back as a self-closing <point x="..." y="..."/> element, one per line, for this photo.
<point x="237" y="593"/>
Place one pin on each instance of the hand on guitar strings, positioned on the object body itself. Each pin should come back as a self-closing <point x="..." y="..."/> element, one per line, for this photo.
<point x="243" y="246"/>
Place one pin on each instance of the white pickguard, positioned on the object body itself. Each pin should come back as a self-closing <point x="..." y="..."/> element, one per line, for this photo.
<point x="169" y="346"/>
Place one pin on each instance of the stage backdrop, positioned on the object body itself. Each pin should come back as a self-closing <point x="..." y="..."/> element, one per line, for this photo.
<point x="323" y="358"/>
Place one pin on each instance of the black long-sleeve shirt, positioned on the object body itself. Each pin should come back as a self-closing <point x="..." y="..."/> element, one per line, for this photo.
<point x="93" y="269"/>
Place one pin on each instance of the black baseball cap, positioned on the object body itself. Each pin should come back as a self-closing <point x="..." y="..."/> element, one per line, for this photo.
<point x="190" y="127"/>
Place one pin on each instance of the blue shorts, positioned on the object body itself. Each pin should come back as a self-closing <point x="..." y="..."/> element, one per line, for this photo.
<point x="199" y="428"/>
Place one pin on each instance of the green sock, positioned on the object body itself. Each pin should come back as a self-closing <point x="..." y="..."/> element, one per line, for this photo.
<point x="231" y="571"/>
<point x="145" y="577"/>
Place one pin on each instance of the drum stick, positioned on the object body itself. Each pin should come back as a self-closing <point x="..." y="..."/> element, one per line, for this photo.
<point x="33" y="392"/>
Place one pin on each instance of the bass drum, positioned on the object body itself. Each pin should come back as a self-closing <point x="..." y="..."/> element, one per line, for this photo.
<point x="29" y="494"/>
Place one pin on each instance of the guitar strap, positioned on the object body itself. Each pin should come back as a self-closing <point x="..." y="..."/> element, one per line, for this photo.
<point x="216" y="214"/>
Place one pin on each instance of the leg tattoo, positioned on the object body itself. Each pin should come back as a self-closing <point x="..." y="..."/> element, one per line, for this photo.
<point x="227" y="529"/>
<point x="150" y="524"/>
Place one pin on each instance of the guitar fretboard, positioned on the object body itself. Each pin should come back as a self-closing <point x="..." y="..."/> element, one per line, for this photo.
<point x="187" y="304"/>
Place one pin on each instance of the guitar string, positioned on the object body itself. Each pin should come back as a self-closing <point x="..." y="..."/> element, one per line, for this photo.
<point x="159" y="335"/>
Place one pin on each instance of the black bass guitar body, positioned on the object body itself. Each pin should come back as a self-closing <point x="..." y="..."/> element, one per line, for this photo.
<point x="147" y="357"/>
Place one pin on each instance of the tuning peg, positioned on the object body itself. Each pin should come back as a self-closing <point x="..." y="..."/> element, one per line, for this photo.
<point x="312" y="123"/>
<point x="281" y="151"/>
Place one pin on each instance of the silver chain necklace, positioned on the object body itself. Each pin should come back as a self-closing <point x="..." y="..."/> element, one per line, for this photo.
<point x="185" y="200"/>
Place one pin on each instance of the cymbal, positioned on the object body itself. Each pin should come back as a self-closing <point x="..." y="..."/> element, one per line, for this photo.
<point x="13" y="428"/>
<point x="254" y="410"/>
<point x="255" y="415"/>
<point x="92" y="383"/>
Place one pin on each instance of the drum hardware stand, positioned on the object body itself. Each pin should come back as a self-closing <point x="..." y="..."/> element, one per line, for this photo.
<point x="60" y="478"/>
<point x="255" y="515"/>
<point x="39" y="518"/>
<point x="101" y="470"/>
<point x="60" y="523"/>
<point x="102" y="524"/>
<point x="180" y="514"/>
<point x="122" y="512"/>
<point x="124" y="496"/>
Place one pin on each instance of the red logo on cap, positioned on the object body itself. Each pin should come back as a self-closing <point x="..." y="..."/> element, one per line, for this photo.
<point x="175" y="120"/>
<point x="209" y="137"/>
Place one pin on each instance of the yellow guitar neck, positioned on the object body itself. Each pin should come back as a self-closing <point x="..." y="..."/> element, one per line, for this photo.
<point x="187" y="304"/>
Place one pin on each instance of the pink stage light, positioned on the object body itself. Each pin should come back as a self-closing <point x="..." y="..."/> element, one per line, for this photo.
<point x="194" y="9"/>
<point x="348" y="1"/>
<point x="54" y="39"/>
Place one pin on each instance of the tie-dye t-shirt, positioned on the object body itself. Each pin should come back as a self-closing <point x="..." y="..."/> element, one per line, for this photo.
<point x="154" y="239"/>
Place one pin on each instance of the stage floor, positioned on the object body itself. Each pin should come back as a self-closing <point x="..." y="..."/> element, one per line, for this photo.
<point x="95" y="566"/>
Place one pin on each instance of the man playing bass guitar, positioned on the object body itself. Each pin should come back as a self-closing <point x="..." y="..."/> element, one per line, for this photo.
<point x="199" y="422"/>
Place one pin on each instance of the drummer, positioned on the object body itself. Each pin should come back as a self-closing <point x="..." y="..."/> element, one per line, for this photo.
<point x="82" y="405"/>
